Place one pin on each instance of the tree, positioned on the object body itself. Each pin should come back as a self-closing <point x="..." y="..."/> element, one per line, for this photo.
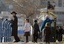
<point x="29" y="7"/>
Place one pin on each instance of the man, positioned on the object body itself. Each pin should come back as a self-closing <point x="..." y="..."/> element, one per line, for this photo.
<point x="36" y="30"/>
<point x="14" y="25"/>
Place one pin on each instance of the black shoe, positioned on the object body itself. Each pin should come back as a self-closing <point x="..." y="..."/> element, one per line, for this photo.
<point x="16" y="41"/>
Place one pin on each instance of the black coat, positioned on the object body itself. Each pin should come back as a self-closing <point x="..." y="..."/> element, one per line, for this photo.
<point x="47" y="32"/>
<point x="36" y="29"/>
<point x="14" y="26"/>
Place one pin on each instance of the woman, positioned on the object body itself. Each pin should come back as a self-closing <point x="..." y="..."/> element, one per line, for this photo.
<point x="47" y="33"/>
<point x="27" y="29"/>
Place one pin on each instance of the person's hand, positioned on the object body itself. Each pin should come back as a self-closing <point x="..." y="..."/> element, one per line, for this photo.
<point x="40" y="31"/>
<point x="12" y="17"/>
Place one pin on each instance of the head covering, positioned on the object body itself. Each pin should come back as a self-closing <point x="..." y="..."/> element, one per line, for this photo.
<point x="13" y="12"/>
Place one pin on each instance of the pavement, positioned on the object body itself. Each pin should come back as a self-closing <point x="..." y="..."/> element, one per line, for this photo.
<point x="31" y="43"/>
<point x="30" y="39"/>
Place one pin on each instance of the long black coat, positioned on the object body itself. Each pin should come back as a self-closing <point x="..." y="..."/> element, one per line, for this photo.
<point x="14" y="26"/>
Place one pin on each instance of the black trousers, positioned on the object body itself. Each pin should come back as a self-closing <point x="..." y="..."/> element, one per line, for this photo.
<point x="16" y="38"/>
<point x="35" y="37"/>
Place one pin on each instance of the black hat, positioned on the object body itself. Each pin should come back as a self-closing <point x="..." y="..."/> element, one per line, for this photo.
<point x="13" y="12"/>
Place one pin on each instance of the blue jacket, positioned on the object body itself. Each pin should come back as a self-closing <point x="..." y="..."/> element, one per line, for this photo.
<point x="44" y="22"/>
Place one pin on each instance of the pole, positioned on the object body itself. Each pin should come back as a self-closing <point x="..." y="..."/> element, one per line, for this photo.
<point x="55" y="29"/>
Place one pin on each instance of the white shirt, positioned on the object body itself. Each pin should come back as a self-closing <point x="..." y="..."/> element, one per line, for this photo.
<point x="27" y="27"/>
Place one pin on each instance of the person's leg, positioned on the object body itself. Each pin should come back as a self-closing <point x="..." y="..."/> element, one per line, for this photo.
<point x="36" y="39"/>
<point x="26" y="38"/>
<point x="1" y="38"/>
<point x="48" y="42"/>
<point x="16" y="38"/>
<point x="33" y="38"/>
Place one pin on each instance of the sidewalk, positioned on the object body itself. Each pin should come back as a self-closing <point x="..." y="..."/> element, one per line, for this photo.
<point x="30" y="39"/>
<point x="30" y="43"/>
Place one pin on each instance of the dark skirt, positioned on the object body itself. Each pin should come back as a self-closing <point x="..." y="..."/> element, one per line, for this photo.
<point x="27" y="34"/>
